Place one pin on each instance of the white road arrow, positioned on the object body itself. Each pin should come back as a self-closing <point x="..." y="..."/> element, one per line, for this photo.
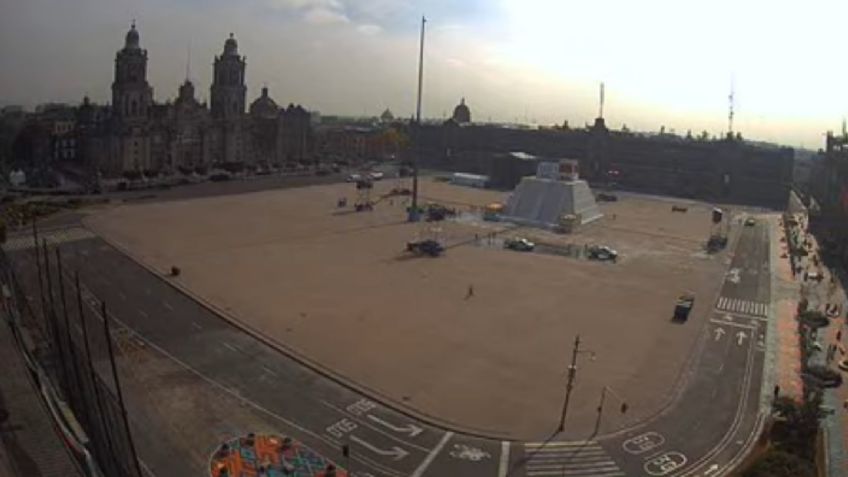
<point x="713" y="469"/>
<point x="740" y="337"/>
<point x="410" y="429"/>
<point x="396" y="453"/>
<point x="719" y="332"/>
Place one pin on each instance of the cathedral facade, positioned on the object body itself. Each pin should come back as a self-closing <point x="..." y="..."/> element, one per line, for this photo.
<point x="137" y="135"/>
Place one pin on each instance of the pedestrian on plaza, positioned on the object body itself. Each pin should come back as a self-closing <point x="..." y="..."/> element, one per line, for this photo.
<point x="839" y="335"/>
<point x="470" y="292"/>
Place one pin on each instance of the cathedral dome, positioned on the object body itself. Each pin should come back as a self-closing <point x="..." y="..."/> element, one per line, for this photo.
<point x="231" y="46"/>
<point x="132" y="39"/>
<point x="461" y="114"/>
<point x="264" y="106"/>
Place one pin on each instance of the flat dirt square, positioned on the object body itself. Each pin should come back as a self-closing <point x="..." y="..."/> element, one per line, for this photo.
<point x="337" y="288"/>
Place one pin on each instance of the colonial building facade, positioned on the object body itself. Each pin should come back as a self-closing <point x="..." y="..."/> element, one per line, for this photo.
<point x="137" y="134"/>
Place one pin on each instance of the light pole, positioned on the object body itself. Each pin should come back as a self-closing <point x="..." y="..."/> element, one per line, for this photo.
<point x="604" y="391"/>
<point x="413" y="211"/>
<point x="569" y="386"/>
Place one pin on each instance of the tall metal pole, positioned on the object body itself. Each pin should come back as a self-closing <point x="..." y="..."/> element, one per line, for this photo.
<point x="413" y="213"/>
<point x="600" y="410"/>
<point x="572" y="371"/>
<point x="98" y="399"/>
<point x="118" y="386"/>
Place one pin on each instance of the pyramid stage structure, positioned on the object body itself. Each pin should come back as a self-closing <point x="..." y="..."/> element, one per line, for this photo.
<point x="554" y="198"/>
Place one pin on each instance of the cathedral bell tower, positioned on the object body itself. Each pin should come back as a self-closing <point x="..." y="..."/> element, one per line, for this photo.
<point x="132" y="96"/>
<point x="228" y="89"/>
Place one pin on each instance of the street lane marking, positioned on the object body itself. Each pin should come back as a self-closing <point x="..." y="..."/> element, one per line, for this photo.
<point x="603" y="472"/>
<point x="357" y="418"/>
<point x="167" y="305"/>
<point x="232" y="391"/>
<point x="730" y="323"/>
<point x="644" y="442"/>
<point x="194" y="324"/>
<point x="737" y="418"/>
<point x="560" y="444"/>
<point x="143" y="313"/>
<point x="432" y="455"/>
<point x="569" y="459"/>
<point x="737" y="305"/>
<point x="503" y="465"/>
<point x="231" y="347"/>
<point x="396" y="453"/>
<point x="664" y="464"/>
<point x="269" y="370"/>
<point x="410" y="429"/>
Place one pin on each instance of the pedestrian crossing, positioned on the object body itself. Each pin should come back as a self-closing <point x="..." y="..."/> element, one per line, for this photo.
<point x="747" y="307"/>
<point x="570" y="459"/>
<point x="25" y="241"/>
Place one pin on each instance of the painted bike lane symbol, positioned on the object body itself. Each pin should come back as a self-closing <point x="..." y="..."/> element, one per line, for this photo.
<point x="643" y="443"/>
<point x="464" y="452"/>
<point x="665" y="463"/>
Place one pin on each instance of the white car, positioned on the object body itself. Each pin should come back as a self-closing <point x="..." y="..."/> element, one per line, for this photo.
<point x="354" y="178"/>
<point x="376" y="175"/>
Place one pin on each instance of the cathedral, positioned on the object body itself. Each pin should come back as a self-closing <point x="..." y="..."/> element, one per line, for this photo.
<point x="136" y="134"/>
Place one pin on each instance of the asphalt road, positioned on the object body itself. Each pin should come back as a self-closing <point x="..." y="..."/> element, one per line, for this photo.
<point x="703" y="433"/>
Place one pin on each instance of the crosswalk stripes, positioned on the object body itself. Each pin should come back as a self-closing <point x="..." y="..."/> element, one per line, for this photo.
<point x="569" y="459"/>
<point x="736" y="305"/>
<point x="25" y="241"/>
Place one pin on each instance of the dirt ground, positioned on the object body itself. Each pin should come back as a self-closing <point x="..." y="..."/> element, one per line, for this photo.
<point x="337" y="288"/>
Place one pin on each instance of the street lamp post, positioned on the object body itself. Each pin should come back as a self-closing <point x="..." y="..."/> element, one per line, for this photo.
<point x="604" y="391"/>
<point x="569" y="386"/>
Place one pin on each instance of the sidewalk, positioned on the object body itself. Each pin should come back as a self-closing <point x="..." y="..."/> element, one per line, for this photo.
<point x="819" y="295"/>
<point x="29" y="443"/>
<point x="785" y="293"/>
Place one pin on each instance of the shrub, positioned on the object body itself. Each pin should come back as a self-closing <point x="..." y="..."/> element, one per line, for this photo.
<point x="814" y="318"/>
<point x="779" y="463"/>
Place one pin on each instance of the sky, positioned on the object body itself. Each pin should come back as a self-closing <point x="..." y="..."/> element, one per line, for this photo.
<point x="665" y="63"/>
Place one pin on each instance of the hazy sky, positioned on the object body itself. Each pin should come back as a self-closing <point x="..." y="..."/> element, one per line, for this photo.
<point x="537" y="61"/>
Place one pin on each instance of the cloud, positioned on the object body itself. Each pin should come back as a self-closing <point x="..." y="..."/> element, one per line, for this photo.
<point x="456" y="63"/>
<point x="325" y="16"/>
<point x="305" y="4"/>
<point x="369" y="29"/>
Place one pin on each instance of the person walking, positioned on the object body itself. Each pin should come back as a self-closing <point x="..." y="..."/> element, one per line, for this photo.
<point x="470" y="292"/>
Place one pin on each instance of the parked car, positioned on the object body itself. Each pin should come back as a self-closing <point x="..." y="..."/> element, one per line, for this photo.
<point x="750" y="222"/>
<point x="823" y="376"/>
<point x="376" y="175"/>
<point x="602" y="252"/>
<point x="604" y="197"/>
<point x="519" y="244"/>
<point x="354" y="178"/>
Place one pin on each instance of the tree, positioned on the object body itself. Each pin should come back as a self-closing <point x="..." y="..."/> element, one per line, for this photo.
<point x="797" y="425"/>
<point x="778" y="463"/>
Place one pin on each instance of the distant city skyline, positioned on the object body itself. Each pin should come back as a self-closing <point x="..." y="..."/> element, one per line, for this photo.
<point x="528" y="61"/>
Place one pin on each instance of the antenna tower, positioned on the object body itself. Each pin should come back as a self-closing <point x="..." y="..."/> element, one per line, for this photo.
<point x="601" y="108"/>
<point x="730" y="113"/>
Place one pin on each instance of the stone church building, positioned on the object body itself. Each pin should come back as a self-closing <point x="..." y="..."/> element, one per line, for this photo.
<point x="137" y="134"/>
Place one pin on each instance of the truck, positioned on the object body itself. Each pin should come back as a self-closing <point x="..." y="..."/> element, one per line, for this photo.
<point x="425" y="247"/>
<point x="685" y="303"/>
